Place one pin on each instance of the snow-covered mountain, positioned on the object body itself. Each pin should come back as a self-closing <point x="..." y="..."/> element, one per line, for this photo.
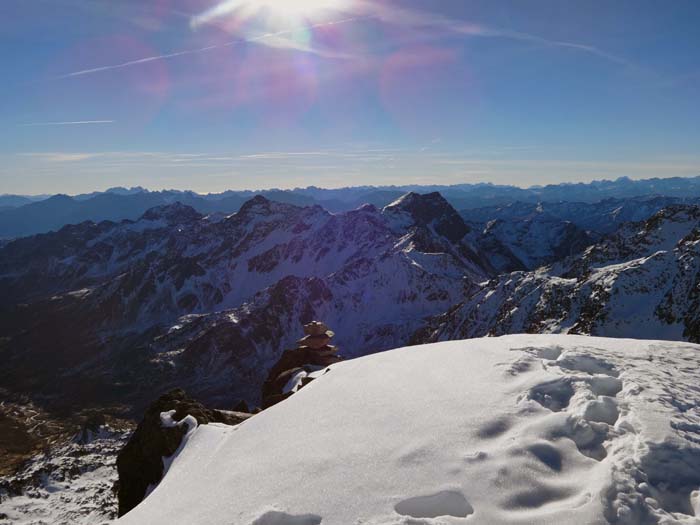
<point x="103" y="300"/>
<point x="523" y="429"/>
<point x="529" y="241"/>
<point x="643" y="281"/>
<point x="373" y="304"/>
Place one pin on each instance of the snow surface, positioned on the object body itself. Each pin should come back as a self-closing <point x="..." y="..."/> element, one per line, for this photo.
<point x="545" y="429"/>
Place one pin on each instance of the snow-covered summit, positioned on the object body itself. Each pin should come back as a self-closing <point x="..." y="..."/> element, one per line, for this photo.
<point x="517" y="429"/>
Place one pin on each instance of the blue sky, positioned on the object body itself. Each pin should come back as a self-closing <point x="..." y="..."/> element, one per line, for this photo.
<point x="213" y="95"/>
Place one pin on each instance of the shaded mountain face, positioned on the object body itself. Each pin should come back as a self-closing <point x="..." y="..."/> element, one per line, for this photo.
<point x="641" y="282"/>
<point x="102" y="305"/>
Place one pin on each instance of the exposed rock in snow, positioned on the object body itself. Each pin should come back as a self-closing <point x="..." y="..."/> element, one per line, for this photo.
<point x="517" y="429"/>
<point x="143" y="461"/>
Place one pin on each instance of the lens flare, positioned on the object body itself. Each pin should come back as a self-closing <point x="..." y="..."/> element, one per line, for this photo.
<point x="297" y="8"/>
<point x="281" y="11"/>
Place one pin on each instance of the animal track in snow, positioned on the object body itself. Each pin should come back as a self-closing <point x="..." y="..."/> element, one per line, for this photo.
<point x="445" y="503"/>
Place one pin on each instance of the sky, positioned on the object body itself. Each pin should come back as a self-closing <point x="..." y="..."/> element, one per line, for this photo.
<point x="210" y="95"/>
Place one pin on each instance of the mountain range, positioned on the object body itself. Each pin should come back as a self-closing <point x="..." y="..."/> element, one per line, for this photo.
<point x="28" y="215"/>
<point x="112" y="312"/>
<point x="178" y="298"/>
<point x="643" y="281"/>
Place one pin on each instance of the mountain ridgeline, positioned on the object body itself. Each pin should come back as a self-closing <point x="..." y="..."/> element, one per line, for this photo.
<point x="116" y="312"/>
<point x="22" y="215"/>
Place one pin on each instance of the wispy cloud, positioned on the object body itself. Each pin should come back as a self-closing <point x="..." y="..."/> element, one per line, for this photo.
<point x="61" y="156"/>
<point x="69" y="123"/>
<point x="418" y="20"/>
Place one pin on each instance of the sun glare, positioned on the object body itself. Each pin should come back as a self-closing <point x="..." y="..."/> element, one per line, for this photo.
<point x="296" y="8"/>
<point x="277" y="14"/>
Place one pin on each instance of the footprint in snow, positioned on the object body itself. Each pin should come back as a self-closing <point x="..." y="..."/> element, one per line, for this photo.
<point x="274" y="517"/>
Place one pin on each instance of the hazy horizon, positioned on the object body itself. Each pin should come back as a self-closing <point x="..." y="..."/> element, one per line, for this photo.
<point x="346" y="187"/>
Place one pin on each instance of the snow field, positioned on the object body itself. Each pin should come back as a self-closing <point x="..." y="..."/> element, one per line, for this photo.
<point x="544" y="429"/>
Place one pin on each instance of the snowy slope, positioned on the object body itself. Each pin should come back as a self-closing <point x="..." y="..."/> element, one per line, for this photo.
<point x="518" y="429"/>
<point x="70" y="483"/>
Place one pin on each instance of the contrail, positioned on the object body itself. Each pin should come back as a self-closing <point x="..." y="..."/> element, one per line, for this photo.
<point x="70" y="123"/>
<point x="236" y="42"/>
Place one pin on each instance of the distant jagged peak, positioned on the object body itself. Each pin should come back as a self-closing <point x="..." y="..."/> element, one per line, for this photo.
<point x="174" y="213"/>
<point x="427" y="210"/>
<point x="121" y="190"/>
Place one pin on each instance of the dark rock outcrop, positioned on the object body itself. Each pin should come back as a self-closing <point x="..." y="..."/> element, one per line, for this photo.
<point x="140" y="463"/>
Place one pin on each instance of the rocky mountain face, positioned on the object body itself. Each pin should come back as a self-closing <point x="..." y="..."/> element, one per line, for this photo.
<point x="110" y="311"/>
<point x="641" y="282"/>
<point x="529" y="241"/>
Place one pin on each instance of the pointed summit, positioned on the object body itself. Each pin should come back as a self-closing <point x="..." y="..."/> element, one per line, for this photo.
<point x="428" y="210"/>
<point x="258" y="204"/>
<point x="262" y="206"/>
